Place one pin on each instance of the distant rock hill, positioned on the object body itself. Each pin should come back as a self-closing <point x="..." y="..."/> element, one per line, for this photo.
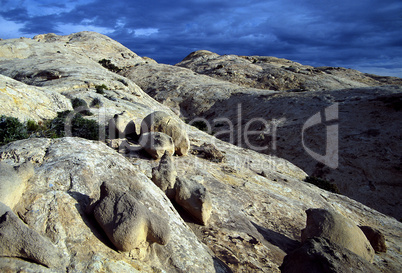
<point x="106" y="205"/>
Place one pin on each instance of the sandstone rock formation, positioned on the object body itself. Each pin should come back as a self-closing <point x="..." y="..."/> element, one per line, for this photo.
<point x="121" y="126"/>
<point x="258" y="200"/>
<point x="126" y="222"/>
<point x="160" y="121"/>
<point x="156" y="144"/>
<point x="375" y="237"/>
<point x="13" y="182"/>
<point x="278" y="74"/>
<point x="164" y="175"/>
<point x="368" y="167"/>
<point x="319" y="255"/>
<point x="18" y="240"/>
<point x="339" y="230"/>
<point x="194" y="198"/>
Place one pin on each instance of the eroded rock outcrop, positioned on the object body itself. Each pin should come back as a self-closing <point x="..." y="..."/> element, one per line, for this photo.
<point x="318" y="255"/>
<point x="18" y="240"/>
<point x="13" y="181"/>
<point x="156" y="144"/>
<point x="164" y="175"/>
<point x="121" y="126"/>
<point x="162" y="122"/>
<point x="127" y="223"/>
<point x="194" y="198"/>
<point x="338" y="229"/>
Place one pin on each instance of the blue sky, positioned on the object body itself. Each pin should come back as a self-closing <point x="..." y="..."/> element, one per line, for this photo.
<point x="360" y="34"/>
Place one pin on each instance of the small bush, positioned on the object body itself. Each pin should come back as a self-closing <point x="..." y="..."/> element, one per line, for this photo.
<point x="108" y="64"/>
<point x="100" y="89"/>
<point x="323" y="184"/>
<point x="80" y="127"/>
<point x="77" y="103"/>
<point x="96" y="103"/>
<point x="11" y="129"/>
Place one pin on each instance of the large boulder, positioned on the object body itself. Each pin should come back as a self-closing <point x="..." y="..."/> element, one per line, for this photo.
<point x="126" y="222"/>
<point x="18" y="240"/>
<point x="13" y="181"/>
<point x="338" y="229"/>
<point x="194" y="198"/>
<point x="318" y="255"/>
<point x="156" y="144"/>
<point x="164" y="175"/>
<point x="162" y="122"/>
<point x="121" y="126"/>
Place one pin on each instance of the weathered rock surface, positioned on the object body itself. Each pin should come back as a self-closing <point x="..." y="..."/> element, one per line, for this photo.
<point x="339" y="230"/>
<point x="318" y="255"/>
<point x="278" y="74"/>
<point x="160" y="121"/>
<point x="156" y="144"/>
<point x="18" y="240"/>
<point x="13" y="182"/>
<point x="126" y="222"/>
<point x="164" y="175"/>
<point x="121" y="126"/>
<point x="194" y="198"/>
<point x="258" y="201"/>
<point x="375" y="237"/>
<point x="28" y="102"/>
<point x="368" y="168"/>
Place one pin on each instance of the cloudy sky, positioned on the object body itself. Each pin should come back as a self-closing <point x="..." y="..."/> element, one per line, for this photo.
<point x="360" y="34"/>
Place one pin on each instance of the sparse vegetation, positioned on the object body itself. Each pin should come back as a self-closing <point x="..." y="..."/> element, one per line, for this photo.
<point x="11" y="129"/>
<point x="96" y="103"/>
<point x="100" y="89"/>
<point x="108" y="64"/>
<point x="81" y="106"/>
<point x="322" y="183"/>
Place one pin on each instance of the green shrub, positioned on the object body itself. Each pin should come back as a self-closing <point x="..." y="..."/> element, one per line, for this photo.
<point x="80" y="103"/>
<point x="96" y="103"/>
<point x="323" y="184"/>
<point x="100" y="89"/>
<point x="108" y="64"/>
<point x="79" y="126"/>
<point x="11" y="129"/>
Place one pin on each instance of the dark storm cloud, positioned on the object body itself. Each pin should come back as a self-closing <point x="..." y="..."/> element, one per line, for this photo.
<point x="357" y="34"/>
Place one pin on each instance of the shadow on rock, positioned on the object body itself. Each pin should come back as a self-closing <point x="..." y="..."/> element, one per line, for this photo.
<point x="277" y="239"/>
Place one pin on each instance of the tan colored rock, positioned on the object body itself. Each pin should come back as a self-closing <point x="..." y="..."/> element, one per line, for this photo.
<point x="164" y="175"/>
<point x="375" y="237"/>
<point x="339" y="230"/>
<point x="18" y="240"/>
<point x="156" y="144"/>
<point x="160" y="121"/>
<point x="319" y="255"/>
<point x="13" y="182"/>
<point x="121" y="126"/>
<point x="126" y="222"/>
<point x="194" y="198"/>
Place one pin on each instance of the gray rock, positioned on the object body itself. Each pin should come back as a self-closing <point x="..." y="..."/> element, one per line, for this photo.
<point x="126" y="222"/>
<point x="160" y="121"/>
<point x="18" y="240"/>
<point x="194" y="198"/>
<point x="156" y="144"/>
<point x="338" y="229"/>
<point x="13" y="182"/>
<point x="375" y="237"/>
<point x="319" y="255"/>
<point x="164" y="175"/>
